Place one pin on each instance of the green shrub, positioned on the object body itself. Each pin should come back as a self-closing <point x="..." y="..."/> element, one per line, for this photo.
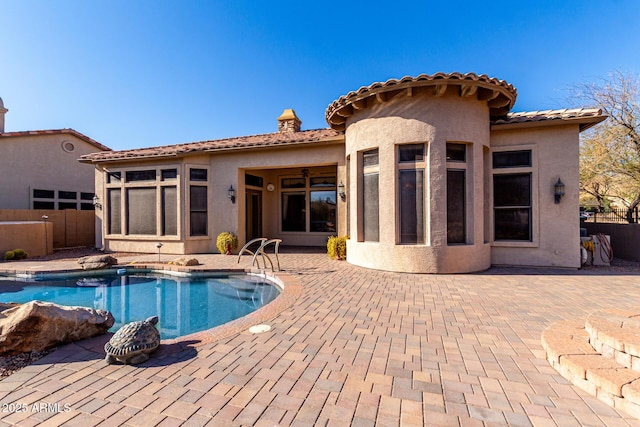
<point x="9" y="255"/>
<point x="226" y="242"/>
<point x="20" y="254"/>
<point x="337" y="247"/>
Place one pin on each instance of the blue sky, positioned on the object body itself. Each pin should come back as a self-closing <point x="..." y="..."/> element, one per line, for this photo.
<point x="139" y="73"/>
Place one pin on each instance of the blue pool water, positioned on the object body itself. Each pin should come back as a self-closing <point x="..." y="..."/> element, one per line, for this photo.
<point x="183" y="305"/>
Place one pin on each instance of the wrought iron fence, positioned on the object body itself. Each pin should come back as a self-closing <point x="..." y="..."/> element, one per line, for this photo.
<point x="617" y="216"/>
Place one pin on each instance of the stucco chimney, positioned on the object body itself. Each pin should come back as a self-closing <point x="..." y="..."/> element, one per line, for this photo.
<point x="2" y="113"/>
<point x="288" y="121"/>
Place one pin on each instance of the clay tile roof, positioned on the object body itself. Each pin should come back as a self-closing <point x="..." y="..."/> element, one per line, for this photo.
<point x="499" y="94"/>
<point x="56" y="132"/>
<point x="586" y="117"/>
<point x="242" y="142"/>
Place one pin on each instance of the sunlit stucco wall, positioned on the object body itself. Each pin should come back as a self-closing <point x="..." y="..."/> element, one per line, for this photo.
<point x="556" y="227"/>
<point x="227" y="169"/>
<point x="45" y="162"/>
<point x="434" y="121"/>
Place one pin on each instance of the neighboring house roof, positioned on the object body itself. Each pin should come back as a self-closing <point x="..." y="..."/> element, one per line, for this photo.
<point x="585" y="117"/>
<point x="499" y="94"/>
<point x="56" y="132"/>
<point x="243" y="142"/>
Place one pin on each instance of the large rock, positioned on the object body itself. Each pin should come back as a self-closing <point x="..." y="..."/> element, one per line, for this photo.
<point x="185" y="262"/>
<point x="37" y="326"/>
<point x="97" y="262"/>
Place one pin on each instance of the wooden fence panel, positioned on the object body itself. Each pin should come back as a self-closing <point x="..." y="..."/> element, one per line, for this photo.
<point x="70" y="227"/>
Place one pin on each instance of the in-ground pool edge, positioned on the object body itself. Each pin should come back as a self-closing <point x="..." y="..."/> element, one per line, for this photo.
<point x="290" y="290"/>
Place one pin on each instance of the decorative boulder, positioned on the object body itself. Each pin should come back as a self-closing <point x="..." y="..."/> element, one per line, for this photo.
<point x="37" y="326"/>
<point x="97" y="262"/>
<point x="185" y="261"/>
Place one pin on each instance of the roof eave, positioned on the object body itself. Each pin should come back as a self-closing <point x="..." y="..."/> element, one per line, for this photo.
<point x="324" y="141"/>
<point x="64" y="131"/>
<point x="499" y="94"/>
<point x="583" y="122"/>
<point x="130" y="159"/>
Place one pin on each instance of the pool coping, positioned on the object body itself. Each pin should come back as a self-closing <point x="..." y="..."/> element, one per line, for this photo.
<point x="290" y="290"/>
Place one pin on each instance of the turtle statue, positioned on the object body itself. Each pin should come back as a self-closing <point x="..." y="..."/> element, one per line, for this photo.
<point x="132" y="343"/>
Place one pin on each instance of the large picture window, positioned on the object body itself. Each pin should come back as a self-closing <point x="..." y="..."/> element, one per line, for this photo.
<point x="309" y="200"/>
<point x="141" y="201"/>
<point x="145" y="203"/>
<point x="512" y="196"/>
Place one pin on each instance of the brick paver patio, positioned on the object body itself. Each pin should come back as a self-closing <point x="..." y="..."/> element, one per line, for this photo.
<point x="358" y="347"/>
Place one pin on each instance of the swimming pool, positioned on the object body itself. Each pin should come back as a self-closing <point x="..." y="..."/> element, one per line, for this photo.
<point x="185" y="305"/>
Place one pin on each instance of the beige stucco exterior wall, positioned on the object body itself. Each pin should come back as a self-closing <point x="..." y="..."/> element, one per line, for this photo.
<point x="228" y="169"/>
<point x="406" y="118"/>
<point x="146" y="243"/>
<point x="33" y="237"/>
<point x="556" y="226"/>
<point x="272" y="204"/>
<point x="40" y="162"/>
<point x="272" y="164"/>
<point x="433" y="121"/>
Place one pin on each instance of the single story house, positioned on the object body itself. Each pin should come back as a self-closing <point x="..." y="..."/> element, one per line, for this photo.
<point x="426" y="174"/>
<point x="39" y="169"/>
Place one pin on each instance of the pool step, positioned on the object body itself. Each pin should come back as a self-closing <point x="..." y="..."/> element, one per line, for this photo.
<point x="600" y="355"/>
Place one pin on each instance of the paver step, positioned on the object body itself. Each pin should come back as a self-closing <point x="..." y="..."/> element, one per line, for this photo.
<point x="597" y="354"/>
<point x="616" y="334"/>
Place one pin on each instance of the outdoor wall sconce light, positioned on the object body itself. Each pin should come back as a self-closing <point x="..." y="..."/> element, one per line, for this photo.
<point x="558" y="191"/>
<point x="96" y="202"/>
<point x="341" y="192"/>
<point x="231" y="194"/>
<point x="305" y="172"/>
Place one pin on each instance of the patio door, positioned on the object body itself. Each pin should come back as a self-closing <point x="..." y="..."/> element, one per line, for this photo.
<point x="254" y="214"/>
